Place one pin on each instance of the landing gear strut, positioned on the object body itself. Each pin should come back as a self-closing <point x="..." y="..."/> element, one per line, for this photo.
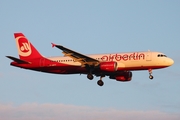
<point x="90" y="69"/>
<point x="100" y="82"/>
<point x="150" y="74"/>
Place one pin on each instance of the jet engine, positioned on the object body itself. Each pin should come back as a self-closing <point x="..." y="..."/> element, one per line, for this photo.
<point x="108" y="66"/>
<point x="124" y="77"/>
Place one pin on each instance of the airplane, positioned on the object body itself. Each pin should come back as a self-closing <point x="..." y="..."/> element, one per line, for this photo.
<point x="117" y="66"/>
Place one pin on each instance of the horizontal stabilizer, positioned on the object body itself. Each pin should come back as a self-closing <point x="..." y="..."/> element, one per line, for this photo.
<point x="18" y="60"/>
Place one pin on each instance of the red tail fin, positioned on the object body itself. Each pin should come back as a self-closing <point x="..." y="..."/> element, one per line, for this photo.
<point x="26" y="50"/>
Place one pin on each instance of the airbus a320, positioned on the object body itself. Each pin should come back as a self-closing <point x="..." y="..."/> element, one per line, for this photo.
<point x="117" y="66"/>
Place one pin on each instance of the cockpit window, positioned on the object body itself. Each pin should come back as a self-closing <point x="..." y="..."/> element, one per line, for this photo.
<point x="161" y="55"/>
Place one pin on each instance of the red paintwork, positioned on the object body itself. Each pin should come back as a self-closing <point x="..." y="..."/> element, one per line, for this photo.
<point x="25" y="46"/>
<point x="53" y="45"/>
<point x="108" y="66"/>
<point x="46" y="65"/>
<point x="124" y="77"/>
<point x="124" y="57"/>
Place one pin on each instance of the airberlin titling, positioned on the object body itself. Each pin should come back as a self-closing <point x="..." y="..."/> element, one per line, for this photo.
<point x="124" y="57"/>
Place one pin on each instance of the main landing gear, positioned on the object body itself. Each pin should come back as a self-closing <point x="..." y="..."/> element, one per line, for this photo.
<point x="99" y="82"/>
<point x="150" y="74"/>
<point x="90" y="76"/>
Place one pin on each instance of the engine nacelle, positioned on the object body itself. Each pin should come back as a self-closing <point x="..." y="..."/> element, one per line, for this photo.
<point x="124" y="77"/>
<point x="108" y="66"/>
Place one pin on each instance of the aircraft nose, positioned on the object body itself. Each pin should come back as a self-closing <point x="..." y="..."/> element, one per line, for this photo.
<point x="171" y="61"/>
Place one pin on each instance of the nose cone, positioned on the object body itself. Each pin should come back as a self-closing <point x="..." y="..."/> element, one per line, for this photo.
<point x="170" y="61"/>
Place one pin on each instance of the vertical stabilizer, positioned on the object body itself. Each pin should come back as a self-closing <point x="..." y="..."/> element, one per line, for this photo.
<point x="26" y="50"/>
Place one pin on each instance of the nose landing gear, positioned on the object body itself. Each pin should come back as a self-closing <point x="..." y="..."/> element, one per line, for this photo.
<point x="151" y="77"/>
<point x="150" y="74"/>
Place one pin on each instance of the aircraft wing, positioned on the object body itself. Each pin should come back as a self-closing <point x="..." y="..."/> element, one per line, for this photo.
<point x="83" y="59"/>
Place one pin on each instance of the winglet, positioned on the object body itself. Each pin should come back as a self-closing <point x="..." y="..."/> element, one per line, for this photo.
<point x="53" y="45"/>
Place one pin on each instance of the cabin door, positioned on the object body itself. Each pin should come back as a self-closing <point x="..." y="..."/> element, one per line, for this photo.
<point x="148" y="56"/>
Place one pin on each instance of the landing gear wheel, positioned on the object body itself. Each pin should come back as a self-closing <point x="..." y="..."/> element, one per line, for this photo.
<point x="151" y="77"/>
<point x="100" y="82"/>
<point x="90" y="76"/>
<point x="150" y="74"/>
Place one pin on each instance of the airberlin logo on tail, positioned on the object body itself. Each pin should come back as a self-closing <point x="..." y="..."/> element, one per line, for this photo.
<point x="24" y="47"/>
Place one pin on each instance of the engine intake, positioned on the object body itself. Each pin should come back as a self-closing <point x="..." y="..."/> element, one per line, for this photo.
<point x="108" y="66"/>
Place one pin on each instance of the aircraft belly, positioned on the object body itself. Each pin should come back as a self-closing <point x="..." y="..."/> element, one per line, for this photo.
<point x="63" y="69"/>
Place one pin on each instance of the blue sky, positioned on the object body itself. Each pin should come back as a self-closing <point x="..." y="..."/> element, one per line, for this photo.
<point x="90" y="27"/>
